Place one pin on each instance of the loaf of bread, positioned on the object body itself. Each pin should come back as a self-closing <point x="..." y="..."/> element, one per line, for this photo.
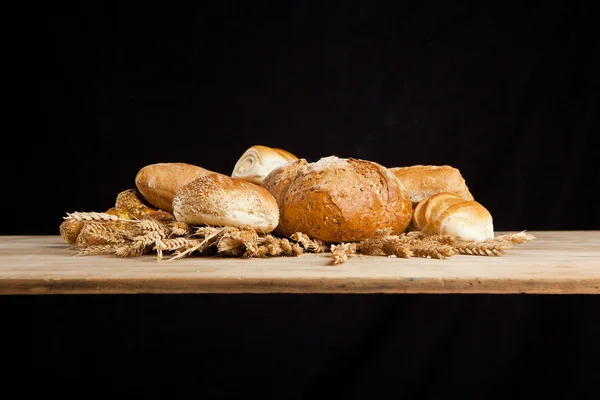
<point x="69" y="230"/>
<point x="220" y="200"/>
<point x="449" y="214"/>
<point x="337" y="199"/>
<point x="423" y="181"/>
<point x="258" y="161"/>
<point x="158" y="183"/>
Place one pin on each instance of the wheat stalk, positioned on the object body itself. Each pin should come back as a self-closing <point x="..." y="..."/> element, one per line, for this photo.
<point x="99" y="233"/>
<point x="94" y="216"/>
<point x="515" y="238"/>
<point x="480" y="248"/>
<point x="340" y="252"/>
<point x="196" y="247"/>
<point x="312" y="245"/>
<point x="444" y="239"/>
<point x="180" y="228"/>
<point x="432" y="249"/>
<point x="104" y="233"/>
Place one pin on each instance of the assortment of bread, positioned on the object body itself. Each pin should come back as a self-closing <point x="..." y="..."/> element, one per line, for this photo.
<point x="336" y="201"/>
<point x="258" y="161"/>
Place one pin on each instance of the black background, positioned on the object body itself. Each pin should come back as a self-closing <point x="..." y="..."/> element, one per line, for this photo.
<point x="302" y="346"/>
<point x="506" y="91"/>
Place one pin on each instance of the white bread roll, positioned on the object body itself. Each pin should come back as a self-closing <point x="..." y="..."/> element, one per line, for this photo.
<point x="431" y="208"/>
<point x="449" y="214"/>
<point x="338" y="200"/>
<point x="423" y="181"/>
<point x="158" y="183"/>
<point x="220" y="200"/>
<point x="258" y="161"/>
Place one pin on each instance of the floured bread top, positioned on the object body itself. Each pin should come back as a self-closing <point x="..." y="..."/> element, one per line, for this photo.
<point x="325" y="163"/>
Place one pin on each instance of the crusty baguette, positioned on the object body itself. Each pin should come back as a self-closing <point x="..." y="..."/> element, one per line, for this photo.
<point x="258" y="161"/>
<point x="158" y="183"/>
<point x="220" y="200"/>
<point x="449" y="214"/>
<point x="338" y="200"/>
<point x="423" y="181"/>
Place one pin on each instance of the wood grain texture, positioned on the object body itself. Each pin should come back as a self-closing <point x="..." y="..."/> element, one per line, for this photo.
<point x="559" y="262"/>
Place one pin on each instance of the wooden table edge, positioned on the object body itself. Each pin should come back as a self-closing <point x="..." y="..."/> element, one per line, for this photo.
<point x="37" y="286"/>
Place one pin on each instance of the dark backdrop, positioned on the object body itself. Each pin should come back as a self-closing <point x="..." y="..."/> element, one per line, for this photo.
<point x="506" y="91"/>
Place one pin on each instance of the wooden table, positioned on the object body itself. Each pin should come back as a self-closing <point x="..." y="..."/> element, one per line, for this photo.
<point x="560" y="262"/>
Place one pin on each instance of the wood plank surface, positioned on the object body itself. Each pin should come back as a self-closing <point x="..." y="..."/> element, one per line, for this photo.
<point x="560" y="262"/>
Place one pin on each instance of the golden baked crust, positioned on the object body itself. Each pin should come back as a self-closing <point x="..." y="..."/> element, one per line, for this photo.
<point x="424" y="181"/>
<point x="158" y="183"/>
<point x="258" y="161"/>
<point x="431" y="208"/>
<point x="449" y="214"/>
<point x="338" y="200"/>
<point x="70" y="229"/>
<point x="285" y="154"/>
<point x="219" y="200"/>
